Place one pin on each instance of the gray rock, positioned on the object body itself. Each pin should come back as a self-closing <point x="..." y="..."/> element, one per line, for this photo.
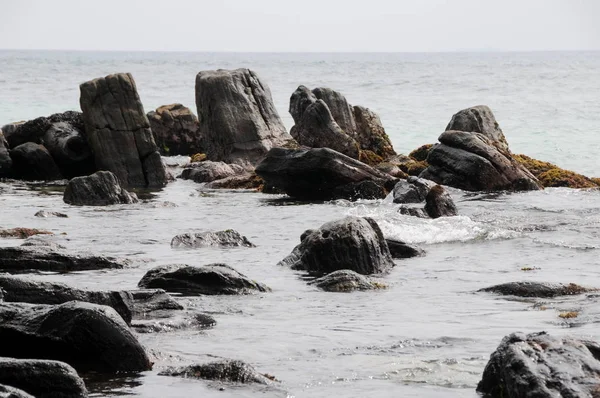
<point x="176" y="130"/>
<point x="33" y="162"/>
<point x="412" y="190"/>
<point x="208" y="171"/>
<point x="479" y="119"/>
<point x="99" y="189"/>
<point x="322" y="174"/>
<point x="5" y="160"/>
<point x="226" y="238"/>
<point x="87" y="336"/>
<point x="351" y="243"/>
<point x="43" y="379"/>
<point x="211" y="279"/>
<point x="227" y="371"/>
<point x="11" y="392"/>
<point x="237" y="116"/>
<point x="341" y="110"/>
<point x="538" y="365"/>
<point x="300" y="100"/>
<point x="400" y="249"/>
<point x="47" y="214"/>
<point x="537" y="289"/>
<point x="193" y="322"/>
<point x="370" y="133"/>
<point x="119" y="131"/>
<point x="69" y="149"/>
<point x="345" y="281"/>
<point x="439" y="203"/>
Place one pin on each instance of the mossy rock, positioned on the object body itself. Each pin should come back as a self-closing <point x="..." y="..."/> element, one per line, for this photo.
<point x="198" y="157"/>
<point x="551" y="175"/>
<point x="420" y="154"/>
<point x="22" y="233"/>
<point x="536" y="167"/>
<point x="413" y="167"/>
<point x="369" y="157"/>
<point x="391" y="169"/>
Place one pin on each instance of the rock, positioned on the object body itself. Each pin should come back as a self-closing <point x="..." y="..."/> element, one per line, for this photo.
<point x="351" y="243"/>
<point x="5" y="159"/>
<point x="176" y="130"/>
<point x="227" y="238"/>
<point x="392" y="170"/>
<point x="408" y="165"/>
<point x="147" y="301"/>
<point x="208" y="171"/>
<point x="340" y="108"/>
<point x="33" y="162"/>
<point x="477" y="159"/>
<point x="243" y="181"/>
<point x="99" y="189"/>
<point x="550" y="175"/>
<point x="420" y="154"/>
<point x="34" y="130"/>
<point x="87" y="336"/>
<point x="412" y="190"/>
<point x="43" y="379"/>
<point x="119" y="131"/>
<point x="194" y="322"/>
<point x="413" y="211"/>
<point x="24" y="259"/>
<point x="69" y="149"/>
<point x="370" y="133"/>
<point x="9" y="129"/>
<point x="237" y="116"/>
<point x="22" y="233"/>
<point x="227" y="371"/>
<point x="345" y="281"/>
<point x="46" y="214"/>
<point x="400" y="249"/>
<point x="47" y="242"/>
<point x="439" y="203"/>
<point x="537" y="289"/>
<point x="300" y="100"/>
<point x="321" y="174"/>
<point x="211" y="279"/>
<point x="11" y="392"/>
<point x="538" y="365"/>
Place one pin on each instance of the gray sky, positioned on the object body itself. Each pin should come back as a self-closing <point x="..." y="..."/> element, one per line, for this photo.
<point x="301" y="25"/>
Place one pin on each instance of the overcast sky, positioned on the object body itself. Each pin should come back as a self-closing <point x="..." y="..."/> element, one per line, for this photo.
<point x="301" y="25"/>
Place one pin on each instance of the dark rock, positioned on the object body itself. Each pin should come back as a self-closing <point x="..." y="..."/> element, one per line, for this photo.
<point x="300" y="100"/>
<point x="147" y="301"/>
<point x="227" y="238"/>
<point x="99" y="189"/>
<point x="34" y="130"/>
<point x="5" y="160"/>
<point x="412" y="190"/>
<point x="237" y="116"/>
<point x="420" y="154"/>
<point x="351" y="243"/>
<point x="370" y="133"/>
<point x="194" y="322"/>
<point x="413" y="211"/>
<point x="391" y="169"/>
<point x="119" y="131"/>
<point x="227" y="371"/>
<point x="439" y="203"/>
<point x="46" y="214"/>
<point x="33" y="162"/>
<point x="9" y="129"/>
<point x="43" y="379"/>
<point x="319" y="174"/>
<point x="208" y="171"/>
<point x="242" y="181"/>
<point x="176" y="130"/>
<point x="538" y="365"/>
<point x="208" y="279"/>
<point x="24" y="259"/>
<point x="88" y="337"/>
<point x="11" y="392"/>
<point x="341" y="110"/>
<point x="399" y="249"/>
<point x="345" y="281"/>
<point x="69" y="149"/>
<point x="537" y="289"/>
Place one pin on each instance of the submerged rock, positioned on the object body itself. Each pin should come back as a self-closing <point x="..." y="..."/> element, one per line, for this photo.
<point x="412" y="190"/>
<point x="22" y="233"/>
<point x="88" y="337"/>
<point x="193" y="322"/>
<point x="208" y="171"/>
<point x="208" y="279"/>
<point x="176" y="130"/>
<point x="33" y="162"/>
<point x="43" y="379"/>
<point x="99" y="189"/>
<point x="400" y="249"/>
<point x="538" y="365"/>
<point x="227" y="238"/>
<point x="345" y="281"/>
<point x="227" y="371"/>
<point x="351" y="243"/>
<point x="439" y="203"/>
<point x="537" y="289"/>
<point x="47" y="214"/>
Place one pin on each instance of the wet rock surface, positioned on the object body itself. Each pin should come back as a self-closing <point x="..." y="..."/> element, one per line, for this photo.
<point x="32" y="161"/>
<point x="400" y="249"/>
<point x="208" y="171"/>
<point x="225" y="371"/>
<point x="227" y="238"/>
<point x="99" y="189"/>
<point x="211" y="279"/>
<point x="412" y="190"/>
<point x="345" y="281"/>
<point x="176" y="130"/>
<point x="538" y="289"/>
<point x="187" y="322"/>
<point x="439" y="203"/>
<point x="11" y="392"/>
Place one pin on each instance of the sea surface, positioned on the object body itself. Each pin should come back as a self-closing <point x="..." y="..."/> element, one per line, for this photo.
<point x="430" y="333"/>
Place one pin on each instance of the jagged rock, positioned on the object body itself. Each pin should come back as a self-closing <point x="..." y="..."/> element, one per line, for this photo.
<point x="5" y="160"/>
<point x="537" y="289"/>
<point x="476" y="159"/>
<point x="400" y="249"/>
<point x="211" y="279"/>
<point x="227" y="238"/>
<point x="340" y="108"/>
<point x="33" y="162"/>
<point x="46" y="214"/>
<point x="25" y="259"/>
<point x="370" y="133"/>
<point x="439" y="203"/>
<point x="227" y="370"/>
<point x="87" y="336"/>
<point x="194" y="322"/>
<point x="99" y="189"/>
<point x="11" y="392"/>
<point x="208" y="171"/>
<point x="237" y="116"/>
<point x="44" y="379"/>
<point x="176" y="130"/>
<point x="34" y="130"/>
<point x="119" y="132"/>
<point x="345" y="281"/>
<point x="322" y="174"/>
<point x="412" y="190"/>
<point x="538" y="365"/>
<point x="351" y="243"/>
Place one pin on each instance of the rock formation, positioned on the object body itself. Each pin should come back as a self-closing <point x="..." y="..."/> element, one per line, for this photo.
<point x="176" y="130"/>
<point x="99" y="189"/>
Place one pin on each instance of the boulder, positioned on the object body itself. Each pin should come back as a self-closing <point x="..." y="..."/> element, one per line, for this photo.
<point x="351" y="243"/>
<point x="322" y="174"/>
<point x="176" y="130"/>
<point x="538" y="365"/>
<point x="226" y="371"/>
<point x="34" y="130"/>
<point x="370" y="133"/>
<point x="341" y="110"/>
<point x="412" y="190"/>
<point x="33" y="162"/>
<point x="477" y="159"/>
<point x="11" y="392"/>
<point x="5" y="159"/>
<point x="119" y="132"/>
<point x="237" y="116"/>
<point x="439" y="203"/>
<point x="208" y="171"/>
<point x="345" y="280"/>
<point x="400" y="249"/>
<point x="87" y="336"/>
<point x="69" y="149"/>
<point x="227" y="238"/>
<point x="99" y="189"/>
<point x="537" y="289"/>
<point x="211" y="279"/>
<point x="42" y="379"/>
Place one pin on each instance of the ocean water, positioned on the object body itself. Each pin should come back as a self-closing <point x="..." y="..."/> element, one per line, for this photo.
<point x="430" y="333"/>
